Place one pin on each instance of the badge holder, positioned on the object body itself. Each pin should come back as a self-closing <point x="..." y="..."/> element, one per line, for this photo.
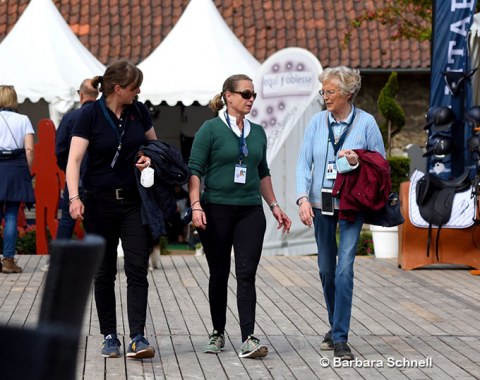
<point x="327" y="202"/>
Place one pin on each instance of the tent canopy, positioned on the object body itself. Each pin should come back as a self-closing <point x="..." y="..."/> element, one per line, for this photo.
<point x="43" y="58"/>
<point x="195" y="58"/>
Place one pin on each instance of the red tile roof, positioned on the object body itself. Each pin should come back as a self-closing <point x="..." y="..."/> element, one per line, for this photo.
<point x="132" y="29"/>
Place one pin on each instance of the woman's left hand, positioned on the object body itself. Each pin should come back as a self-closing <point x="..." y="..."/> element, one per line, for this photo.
<point x="143" y="162"/>
<point x="282" y="218"/>
<point x="352" y="157"/>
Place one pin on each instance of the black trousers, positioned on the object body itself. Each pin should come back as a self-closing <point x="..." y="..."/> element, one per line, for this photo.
<point x="113" y="219"/>
<point x="242" y="227"/>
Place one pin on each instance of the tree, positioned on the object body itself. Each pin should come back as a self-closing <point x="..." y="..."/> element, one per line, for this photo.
<point x="391" y="111"/>
<point x="410" y="19"/>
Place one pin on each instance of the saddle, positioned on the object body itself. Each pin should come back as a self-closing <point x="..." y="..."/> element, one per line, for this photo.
<point x="435" y="199"/>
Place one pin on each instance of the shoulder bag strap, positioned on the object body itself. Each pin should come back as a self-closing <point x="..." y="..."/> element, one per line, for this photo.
<point x="10" y="130"/>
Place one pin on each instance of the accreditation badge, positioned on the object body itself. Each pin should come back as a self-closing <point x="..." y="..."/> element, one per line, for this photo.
<point x="240" y="173"/>
<point x="331" y="170"/>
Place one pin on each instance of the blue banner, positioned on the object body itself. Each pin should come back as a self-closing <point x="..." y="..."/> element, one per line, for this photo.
<point x="450" y="77"/>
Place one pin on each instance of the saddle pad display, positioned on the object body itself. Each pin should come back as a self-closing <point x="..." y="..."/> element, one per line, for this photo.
<point x="463" y="209"/>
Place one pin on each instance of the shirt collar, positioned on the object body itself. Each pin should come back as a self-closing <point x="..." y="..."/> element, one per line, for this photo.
<point x="233" y="123"/>
<point x="347" y="121"/>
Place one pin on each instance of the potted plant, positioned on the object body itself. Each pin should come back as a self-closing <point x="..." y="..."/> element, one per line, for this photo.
<point x="385" y="239"/>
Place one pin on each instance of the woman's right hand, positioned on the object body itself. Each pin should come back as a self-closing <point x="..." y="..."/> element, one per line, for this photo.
<point x="306" y="213"/>
<point x="199" y="219"/>
<point x="76" y="209"/>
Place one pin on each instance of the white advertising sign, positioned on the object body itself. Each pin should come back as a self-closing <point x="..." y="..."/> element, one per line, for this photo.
<point x="286" y="84"/>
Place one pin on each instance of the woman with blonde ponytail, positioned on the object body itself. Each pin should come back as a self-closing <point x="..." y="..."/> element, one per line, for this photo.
<point x="230" y="153"/>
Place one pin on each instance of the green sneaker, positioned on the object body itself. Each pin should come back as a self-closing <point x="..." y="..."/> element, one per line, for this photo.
<point x="252" y="348"/>
<point x="215" y="344"/>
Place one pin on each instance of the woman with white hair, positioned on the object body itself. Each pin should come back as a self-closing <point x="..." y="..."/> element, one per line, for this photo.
<point x="329" y="147"/>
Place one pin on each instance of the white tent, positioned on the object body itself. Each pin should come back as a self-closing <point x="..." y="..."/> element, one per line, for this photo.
<point x="288" y="86"/>
<point x="195" y="58"/>
<point x="44" y="59"/>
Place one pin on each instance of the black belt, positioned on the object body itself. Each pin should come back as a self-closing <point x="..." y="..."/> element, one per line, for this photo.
<point x="117" y="194"/>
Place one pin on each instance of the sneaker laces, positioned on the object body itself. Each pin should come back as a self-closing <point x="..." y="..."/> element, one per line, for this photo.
<point x="214" y="338"/>
<point x="141" y="338"/>
<point x="111" y="341"/>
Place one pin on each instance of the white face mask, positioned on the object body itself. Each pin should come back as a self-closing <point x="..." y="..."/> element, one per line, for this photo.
<point x="147" y="177"/>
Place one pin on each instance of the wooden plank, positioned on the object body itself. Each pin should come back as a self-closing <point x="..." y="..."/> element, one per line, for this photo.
<point x="292" y="364"/>
<point x="397" y="315"/>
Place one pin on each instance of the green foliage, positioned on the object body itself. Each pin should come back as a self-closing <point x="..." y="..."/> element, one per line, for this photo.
<point x="164" y="245"/>
<point x="26" y="241"/>
<point x="391" y="111"/>
<point x="405" y="19"/>
<point x="399" y="169"/>
<point x="365" y="244"/>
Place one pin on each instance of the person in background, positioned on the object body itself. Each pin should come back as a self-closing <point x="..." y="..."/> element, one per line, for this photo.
<point x="111" y="130"/>
<point x="16" y="159"/>
<point x="331" y="135"/>
<point x="230" y="152"/>
<point x="88" y="94"/>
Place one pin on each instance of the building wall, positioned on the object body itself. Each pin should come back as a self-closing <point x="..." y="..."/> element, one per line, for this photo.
<point x="413" y="96"/>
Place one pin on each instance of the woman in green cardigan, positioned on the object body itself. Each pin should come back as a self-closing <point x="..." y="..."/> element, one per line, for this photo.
<point x="230" y="153"/>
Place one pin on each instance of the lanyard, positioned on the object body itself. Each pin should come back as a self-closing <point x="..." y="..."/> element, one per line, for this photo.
<point x="331" y="137"/>
<point x="115" y="128"/>
<point x="242" y="144"/>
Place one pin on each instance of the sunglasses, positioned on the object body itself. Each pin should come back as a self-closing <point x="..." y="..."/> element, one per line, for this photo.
<point x="246" y="94"/>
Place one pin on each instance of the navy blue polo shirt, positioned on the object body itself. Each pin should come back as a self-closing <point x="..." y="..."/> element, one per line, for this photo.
<point x="104" y="141"/>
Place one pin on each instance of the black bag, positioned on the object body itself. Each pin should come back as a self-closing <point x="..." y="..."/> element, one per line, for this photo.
<point x="388" y="216"/>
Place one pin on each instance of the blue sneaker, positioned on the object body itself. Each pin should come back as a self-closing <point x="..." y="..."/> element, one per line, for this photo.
<point x="139" y="348"/>
<point x="110" y="346"/>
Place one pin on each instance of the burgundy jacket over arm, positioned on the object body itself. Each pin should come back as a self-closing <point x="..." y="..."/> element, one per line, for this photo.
<point x="364" y="189"/>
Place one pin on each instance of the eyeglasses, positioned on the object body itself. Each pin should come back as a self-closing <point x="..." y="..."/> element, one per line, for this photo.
<point x="78" y="92"/>
<point x="327" y="92"/>
<point x="246" y="94"/>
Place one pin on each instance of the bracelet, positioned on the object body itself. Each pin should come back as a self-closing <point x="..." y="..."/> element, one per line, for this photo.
<point x="302" y="202"/>
<point x="74" y="199"/>
<point x="194" y="203"/>
<point x="273" y="205"/>
<point x="197" y="209"/>
<point x="299" y="199"/>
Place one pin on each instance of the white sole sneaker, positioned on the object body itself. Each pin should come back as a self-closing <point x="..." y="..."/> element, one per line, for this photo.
<point x="259" y="352"/>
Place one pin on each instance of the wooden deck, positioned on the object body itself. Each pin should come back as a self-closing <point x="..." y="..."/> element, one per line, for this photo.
<point x="422" y="324"/>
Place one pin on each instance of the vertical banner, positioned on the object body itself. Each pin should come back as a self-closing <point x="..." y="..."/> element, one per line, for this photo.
<point x="450" y="76"/>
